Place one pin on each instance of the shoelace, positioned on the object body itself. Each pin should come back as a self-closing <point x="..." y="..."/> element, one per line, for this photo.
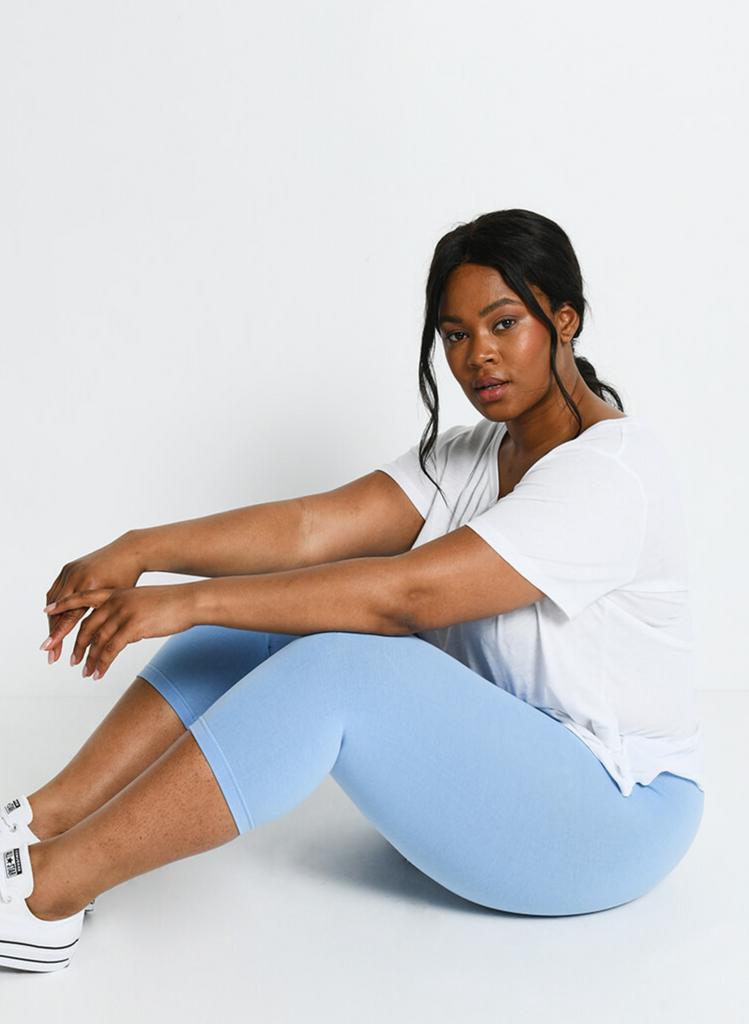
<point x="10" y="825"/>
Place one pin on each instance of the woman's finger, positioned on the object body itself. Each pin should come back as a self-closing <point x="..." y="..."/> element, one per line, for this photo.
<point x="57" y="590"/>
<point x="60" y="624"/>
<point x="90" y="627"/>
<point x="55" y="650"/>
<point x="73" y="602"/>
<point x="64" y="613"/>
<point x="53" y="620"/>
<point x="83" y="599"/>
<point x="57" y="586"/>
<point x="60" y="630"/>
<point x="60" y="586"/>
<point x="106" y="644"/>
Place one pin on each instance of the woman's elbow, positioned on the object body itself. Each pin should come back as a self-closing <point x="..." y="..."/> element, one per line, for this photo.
<point x="403" y="614"/>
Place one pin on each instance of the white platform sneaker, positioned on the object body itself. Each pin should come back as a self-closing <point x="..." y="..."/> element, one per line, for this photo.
<point x="15" y="824"/>
<point x="26" y="942"/>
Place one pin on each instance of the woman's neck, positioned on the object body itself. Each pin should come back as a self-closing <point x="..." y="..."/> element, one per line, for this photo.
<point x="545" y="428"/>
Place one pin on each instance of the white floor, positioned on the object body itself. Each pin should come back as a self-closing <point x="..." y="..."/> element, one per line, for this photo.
<point x="316" y="918"/>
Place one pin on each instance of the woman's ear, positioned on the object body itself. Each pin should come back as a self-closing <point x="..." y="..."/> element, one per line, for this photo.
<point x="566" y="320"/>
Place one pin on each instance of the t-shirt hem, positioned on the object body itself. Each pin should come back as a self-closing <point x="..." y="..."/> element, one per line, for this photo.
<point x="685" y="764"/>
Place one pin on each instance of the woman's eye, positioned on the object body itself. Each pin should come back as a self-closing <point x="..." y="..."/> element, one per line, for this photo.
<point x="504" y="324"/>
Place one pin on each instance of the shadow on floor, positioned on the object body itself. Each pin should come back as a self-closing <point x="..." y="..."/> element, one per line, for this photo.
<point x="369" y="861"/>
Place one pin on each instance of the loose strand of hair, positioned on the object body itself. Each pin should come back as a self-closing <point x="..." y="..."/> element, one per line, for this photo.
<point x="430" y="396"/>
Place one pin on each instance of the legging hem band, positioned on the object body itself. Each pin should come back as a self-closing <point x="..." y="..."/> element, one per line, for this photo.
<point x="163" y="685"/>
<point x="224" y="775"/>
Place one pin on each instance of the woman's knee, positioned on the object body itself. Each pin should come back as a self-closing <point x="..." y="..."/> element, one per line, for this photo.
<point x="194" y="668"/>
<point x="341" y="664"/>
<point x="350" y="654"/>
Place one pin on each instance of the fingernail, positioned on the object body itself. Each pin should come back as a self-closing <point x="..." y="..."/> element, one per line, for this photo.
<point x="85" y="671"/>
<point x="50" y="657"/>
<point x="47" y="643"/>
<point x="97" y="674"/>
<point x="50" y="607"/>
<point x="72" y="660"/>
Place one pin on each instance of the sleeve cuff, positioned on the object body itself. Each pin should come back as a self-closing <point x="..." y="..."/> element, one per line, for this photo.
<point x="529" y="569"/>
<point x="421" y="502"/>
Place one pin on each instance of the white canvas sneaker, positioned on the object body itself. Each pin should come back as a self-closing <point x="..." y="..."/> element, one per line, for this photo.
<point x="26" y="942"/>
<point x="15" y="825"/>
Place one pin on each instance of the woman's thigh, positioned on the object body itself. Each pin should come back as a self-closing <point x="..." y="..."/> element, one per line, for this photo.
<point x="487" y="795"/>
<point x="191" y="670"/>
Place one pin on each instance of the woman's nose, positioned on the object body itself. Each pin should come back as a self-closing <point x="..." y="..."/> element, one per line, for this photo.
<point x="482" y="348"/>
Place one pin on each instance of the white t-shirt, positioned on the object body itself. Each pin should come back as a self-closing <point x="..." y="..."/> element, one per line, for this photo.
<point x="596" y="524"/>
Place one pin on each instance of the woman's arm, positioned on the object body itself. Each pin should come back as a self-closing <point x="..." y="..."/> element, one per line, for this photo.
<point x="455" y="578"/>
<point x="358" y="595"/>
<point x="262" y="538"/>
<point x="368" y="516"/>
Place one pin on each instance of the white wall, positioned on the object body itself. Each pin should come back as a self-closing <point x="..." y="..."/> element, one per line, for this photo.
<point x="199" y="199"/>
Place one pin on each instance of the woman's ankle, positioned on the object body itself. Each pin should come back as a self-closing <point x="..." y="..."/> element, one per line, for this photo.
<point x="53" y="896"/>
<point x="51" y="817"/>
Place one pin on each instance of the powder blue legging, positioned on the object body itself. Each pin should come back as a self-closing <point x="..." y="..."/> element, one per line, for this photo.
<point x="487" y="795"/>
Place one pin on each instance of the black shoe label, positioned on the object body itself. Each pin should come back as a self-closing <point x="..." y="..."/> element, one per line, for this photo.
<point x="12" y="806"/>
<point x="12" y="859"/>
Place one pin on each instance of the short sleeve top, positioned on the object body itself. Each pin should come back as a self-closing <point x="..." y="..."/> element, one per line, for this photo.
<point x="596" y="525"/>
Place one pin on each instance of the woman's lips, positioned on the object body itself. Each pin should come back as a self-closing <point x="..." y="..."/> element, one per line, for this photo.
<point x="493" y="392"/>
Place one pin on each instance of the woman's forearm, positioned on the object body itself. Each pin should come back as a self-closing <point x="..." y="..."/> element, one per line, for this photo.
<point x="358" y="595"/>
<point x="262" y="538"/>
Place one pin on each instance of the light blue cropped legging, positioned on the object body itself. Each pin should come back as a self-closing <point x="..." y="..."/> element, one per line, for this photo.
<point x="487" y="795"/>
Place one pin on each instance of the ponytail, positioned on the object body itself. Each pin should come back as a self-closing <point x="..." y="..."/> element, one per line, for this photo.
<point x="598" y="387"/>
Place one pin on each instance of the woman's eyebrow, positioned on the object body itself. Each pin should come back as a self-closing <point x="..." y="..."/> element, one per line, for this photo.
<point x="482" y="312"/>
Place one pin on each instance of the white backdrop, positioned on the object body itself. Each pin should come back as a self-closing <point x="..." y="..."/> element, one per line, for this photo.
<point x="216" y="221"/>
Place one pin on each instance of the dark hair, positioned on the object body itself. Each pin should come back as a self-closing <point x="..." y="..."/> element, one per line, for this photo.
<point x="527" y="249"/>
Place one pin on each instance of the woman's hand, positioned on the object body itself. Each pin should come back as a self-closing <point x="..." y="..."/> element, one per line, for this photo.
<point x="114" y="566"/>
<point x="122" y="617"/>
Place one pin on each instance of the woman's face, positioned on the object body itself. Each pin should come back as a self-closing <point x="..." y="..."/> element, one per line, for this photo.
<point x="488" y="332"/>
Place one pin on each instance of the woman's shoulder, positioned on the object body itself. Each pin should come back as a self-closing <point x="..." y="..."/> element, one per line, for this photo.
<point x="622" y="445"/>
<point x="613" y="435"/>
<point x="630" y="437"/>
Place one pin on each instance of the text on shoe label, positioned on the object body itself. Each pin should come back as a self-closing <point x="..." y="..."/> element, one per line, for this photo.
<point x="12" y="806"/>
<point x="12" y="860"/>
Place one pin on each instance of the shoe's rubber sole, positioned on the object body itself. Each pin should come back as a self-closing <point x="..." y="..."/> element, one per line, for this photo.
<point x="24" y="956"/>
